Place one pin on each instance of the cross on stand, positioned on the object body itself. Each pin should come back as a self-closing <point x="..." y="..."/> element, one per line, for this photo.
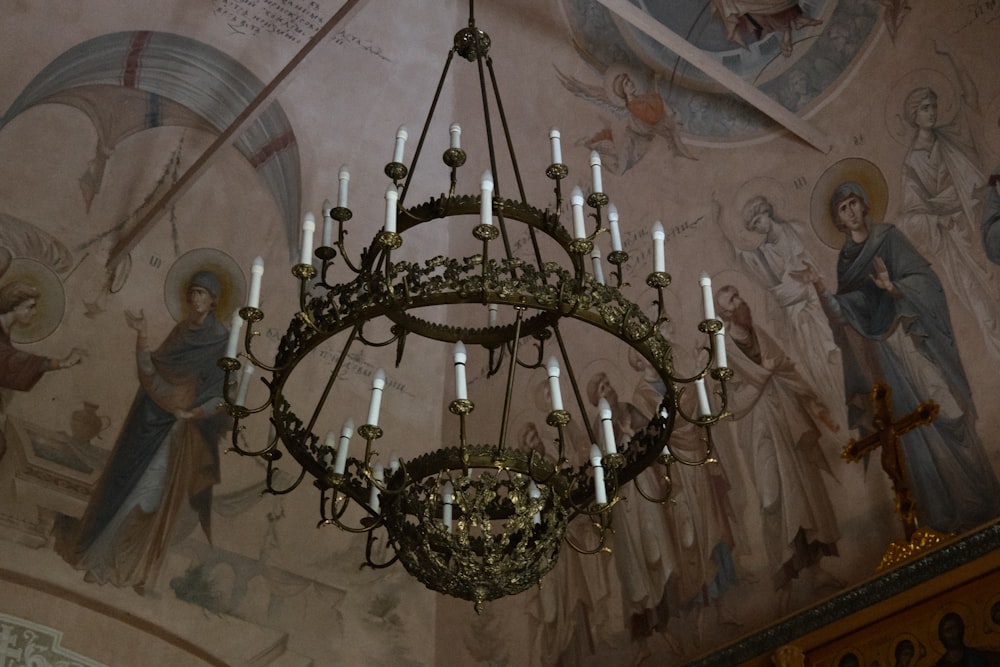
<point x="887" y="437"/>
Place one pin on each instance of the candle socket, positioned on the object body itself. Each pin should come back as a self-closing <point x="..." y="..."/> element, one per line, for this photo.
<point x="557" y="171"/>
<point x="251" y="314"/>
<point x="370" y="432"/>
<point x="461" y="406"/>
<point x="325" y="253"/>
<point x="558" y="418"/>
<point x="617" y="257"/>
<point x="658" y="279"/>
<point x="304" y="271"/>
<point x="390" y="240"/>
<point x="614" y="461"/>
<point x="710" y="326"/>
<point x="229" y="364"/>
<point x="597" y="199"/>
<point x="486" y="232"/>
<point x="396" y="171"/>
<point x="237" y="411"/>
<point x="722" y="374"/>
<point x="581" y="247"/>
<point x="454" y="157"/>
<point x="341" y="213"/>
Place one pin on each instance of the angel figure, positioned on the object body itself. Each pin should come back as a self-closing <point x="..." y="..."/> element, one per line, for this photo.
<point x="640" y="115"/>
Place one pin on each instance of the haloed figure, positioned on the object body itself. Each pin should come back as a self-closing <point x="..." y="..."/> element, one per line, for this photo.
<point x="783" y="419"/>
<point x="890" y="319"/>
<point x="158" y="482"/>
<point x="20" y="370"/>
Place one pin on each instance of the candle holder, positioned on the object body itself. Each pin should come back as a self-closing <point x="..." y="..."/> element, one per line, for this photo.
<point x="389" y="240"/>
<point x="454" y="157"/>
<point x="485" y="232"/>
<point x="597" y="200"/>
<point x="581" y="246"/>
<point x="658" y="279"/>
<point x="396" y="171"/>
<point x="304" y="271"/>
<point x="370" y="432"/>
<point x="557" y="171"/>
<point x="341" y="213"/>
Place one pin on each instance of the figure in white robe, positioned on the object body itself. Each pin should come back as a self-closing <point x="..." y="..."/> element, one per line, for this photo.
<point x="780" y="417"/>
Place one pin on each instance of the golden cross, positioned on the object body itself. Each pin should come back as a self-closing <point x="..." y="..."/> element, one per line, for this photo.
<point x="887" y="436"/>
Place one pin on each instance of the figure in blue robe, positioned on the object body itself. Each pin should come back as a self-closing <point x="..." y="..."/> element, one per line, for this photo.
<point x="158" y="483"/>
<point x="890" y="319"/>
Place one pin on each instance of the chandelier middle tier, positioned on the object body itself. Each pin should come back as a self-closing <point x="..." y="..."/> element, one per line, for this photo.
<point x="474" y="519"/>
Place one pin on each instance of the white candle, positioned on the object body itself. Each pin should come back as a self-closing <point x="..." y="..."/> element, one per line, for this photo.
<point x="391" y="195"/>
<point x="600" y="493"/>
<point x="595" y="262"/>
<point x="235" y="326"/>
<point x="397" y="154"/>
<point x="327" y="224"/>
<point x="256" y="277"/>
<point x="576" y="199"/>
<point x="595" y="170"/>
<point x="447" y="499"/>
<point x="378" y="473"/>
<point x="492" y="317"/>
<point x="393" y="465"/>
<point x="330" y="442"/>
<point x="461" y="390"/>
<point x="706" y="296"/>
<point x="616" y="234"/>
<point x="720" y="348"/>
<point x="659" y="262"/>
<point x="486" y="199"/>
<point x="703" y="407"/>
<point x="308" y="227"/>
<point x="340" y="463"/>
<point x="556" y="394"/>
<point x="244" y="385"/>
<point x="608" y="429"/>
<point x="534" y="493"/>
<point x="456" y="135"/>
<point x="344" y="178"/>
<point x="378" y="384"/>
<point x="556" y="148"/>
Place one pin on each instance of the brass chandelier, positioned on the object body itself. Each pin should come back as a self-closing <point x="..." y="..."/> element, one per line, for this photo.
<point x="470" y="519"/>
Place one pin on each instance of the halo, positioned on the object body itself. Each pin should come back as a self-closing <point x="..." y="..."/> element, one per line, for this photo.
<point x="898" y="126"/>
<point x="616" y="376"/>
<point x="225" y="269"/>
<point x="963" y="611"/>
<point x="640" y="80"/>
<point x="51" y="304"/>
<point x="857" y="169"/>
<point x="761" y="186"/>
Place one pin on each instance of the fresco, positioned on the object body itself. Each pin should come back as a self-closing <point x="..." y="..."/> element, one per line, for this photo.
<point x="877" y="260"/>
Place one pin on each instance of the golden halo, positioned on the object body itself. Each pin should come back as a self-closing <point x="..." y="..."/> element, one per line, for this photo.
<point x="856" y="169"/>
<point x="762" y="186"/>
<point x="51" y="304"/>
<point x="896" y="123"/>
<point x="225" y="269"/>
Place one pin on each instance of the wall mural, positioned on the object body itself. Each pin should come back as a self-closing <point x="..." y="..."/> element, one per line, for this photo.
<point x="864" y="265"/>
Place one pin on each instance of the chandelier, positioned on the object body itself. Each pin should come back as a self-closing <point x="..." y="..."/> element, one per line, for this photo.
<point x="475" y="519"/>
